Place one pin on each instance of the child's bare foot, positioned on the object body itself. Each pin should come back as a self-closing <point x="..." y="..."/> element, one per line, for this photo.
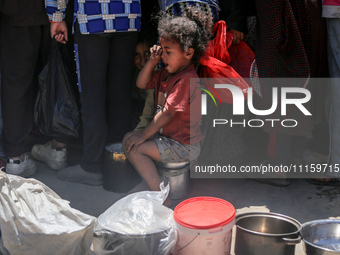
<point x="168" y="202"/>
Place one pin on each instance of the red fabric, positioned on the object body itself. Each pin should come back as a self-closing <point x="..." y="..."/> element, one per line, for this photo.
<point x="215" y="64"/>
<point x="272" y="145"/>
<point x="218" y="47"/>
<point x="183" y="97"/>
<point x="242" y="56"/>
<point x="331" y="2"/>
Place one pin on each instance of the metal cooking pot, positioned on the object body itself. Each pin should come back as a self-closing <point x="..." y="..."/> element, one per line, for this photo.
<point x="114" y="243"/>
<point x="266" y="233"/>
<point x="177" y="175"/>
<point x="119" y="175"/>
<point x="321" y="237"/>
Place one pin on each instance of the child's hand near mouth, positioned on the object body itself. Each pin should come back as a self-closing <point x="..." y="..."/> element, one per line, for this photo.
<point x="156" y="53"/>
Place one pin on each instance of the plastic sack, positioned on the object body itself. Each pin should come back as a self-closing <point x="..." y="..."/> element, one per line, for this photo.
<point x="215" y="64"/>
<point x="56" y="110"/>
<point x="242" y="57"/>
<point x="218" y="47"/>
<point x="35" y="220"/>
<point x="137" y="224"/>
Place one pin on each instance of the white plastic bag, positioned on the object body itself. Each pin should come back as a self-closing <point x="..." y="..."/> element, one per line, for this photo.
<point x="35" y="220"/>
<point x="137" y="224"/>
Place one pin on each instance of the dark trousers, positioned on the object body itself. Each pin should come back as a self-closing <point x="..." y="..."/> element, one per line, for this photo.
<point x="21" y="49"/>
<point x="104" y="63"/>
<point x="287" y="147"/>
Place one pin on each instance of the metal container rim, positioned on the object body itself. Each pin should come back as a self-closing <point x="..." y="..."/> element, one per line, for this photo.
<point x="278" y="216"/>
<point x="317" y="222"/>
<point x="105" y="231"/>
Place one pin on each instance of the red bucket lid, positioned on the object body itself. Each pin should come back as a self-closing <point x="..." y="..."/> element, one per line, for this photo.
<point x="204" y="213"/>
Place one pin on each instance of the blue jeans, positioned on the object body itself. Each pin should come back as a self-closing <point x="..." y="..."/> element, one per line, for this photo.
<point x="333" y="28"/>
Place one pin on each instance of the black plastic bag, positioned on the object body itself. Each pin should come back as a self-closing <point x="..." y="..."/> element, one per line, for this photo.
<point x="56" y="110"/>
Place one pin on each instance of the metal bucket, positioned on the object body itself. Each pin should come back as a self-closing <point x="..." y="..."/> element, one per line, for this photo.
<point x="321" y="237"/>
<point x="119" y="175"/>
<point x="114" y="243"/>
<point x="177" y="175"/>
<point x="266" y="233"/>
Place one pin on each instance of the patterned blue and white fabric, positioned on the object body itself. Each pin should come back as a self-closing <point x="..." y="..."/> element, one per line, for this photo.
<point x="99" y="16"/>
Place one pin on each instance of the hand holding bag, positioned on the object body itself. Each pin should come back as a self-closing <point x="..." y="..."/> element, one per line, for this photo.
<point x="56" y="110"/>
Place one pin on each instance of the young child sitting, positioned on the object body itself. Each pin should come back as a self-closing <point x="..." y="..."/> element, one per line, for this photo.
<point x="174" y="133"/>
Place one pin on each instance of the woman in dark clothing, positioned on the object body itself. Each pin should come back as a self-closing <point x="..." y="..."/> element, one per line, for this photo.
<point x="291" y="43"/>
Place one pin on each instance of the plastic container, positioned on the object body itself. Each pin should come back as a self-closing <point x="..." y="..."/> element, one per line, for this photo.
<point x="119" y="175"/>
<point x="204" y="226"/>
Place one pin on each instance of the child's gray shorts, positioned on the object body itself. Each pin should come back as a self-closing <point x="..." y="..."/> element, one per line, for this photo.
<point x="174" y="151"/>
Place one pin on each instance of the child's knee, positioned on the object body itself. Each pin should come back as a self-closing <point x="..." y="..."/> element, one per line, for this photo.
<point x="124" y="141"/>
<point x="126" y="136"/>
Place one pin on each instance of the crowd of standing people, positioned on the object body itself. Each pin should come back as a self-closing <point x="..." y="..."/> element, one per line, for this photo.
<point x="294" y="39"/>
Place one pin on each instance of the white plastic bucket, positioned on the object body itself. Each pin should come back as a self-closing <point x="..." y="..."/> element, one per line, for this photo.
<point x="204" y="226"/>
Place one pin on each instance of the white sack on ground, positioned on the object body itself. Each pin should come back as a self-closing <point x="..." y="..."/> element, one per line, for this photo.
<point x="35" y="220"/>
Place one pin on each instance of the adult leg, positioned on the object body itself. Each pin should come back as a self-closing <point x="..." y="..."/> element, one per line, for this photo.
<point x="20" y="48"/>
<point x="122" y="50"/>
<point x="283" y="148"/>
<point x="53" y="153"/>
<point x="2" y="154"/>
<point x="92" y="54"/>
<point x="19" y="55"/>
<point x="281" y="144"/>
<point x="333" y="26"/>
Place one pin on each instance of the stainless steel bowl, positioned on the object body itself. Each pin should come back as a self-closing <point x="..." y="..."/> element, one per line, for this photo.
<point x="321" y="237"/>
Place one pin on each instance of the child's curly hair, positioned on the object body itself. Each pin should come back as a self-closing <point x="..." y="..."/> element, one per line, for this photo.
<point x="193" y="30"/>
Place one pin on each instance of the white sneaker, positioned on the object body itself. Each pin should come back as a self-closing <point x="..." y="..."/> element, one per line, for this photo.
<point x="22" y="168"/>
<point x="54" y="158"/>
